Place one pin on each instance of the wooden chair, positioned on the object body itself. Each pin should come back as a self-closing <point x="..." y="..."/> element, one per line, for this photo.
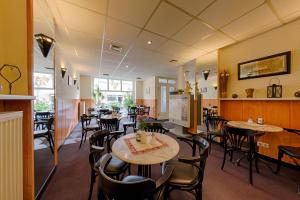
<point x="292" y="152"/>
<point x="46" y="133"/>
<point x="188" y="171"/>
<point x="131" y="187"/>
<point x="115" y="167"/>
<point x="86" y="127"/>
<point x="243" y="141"/>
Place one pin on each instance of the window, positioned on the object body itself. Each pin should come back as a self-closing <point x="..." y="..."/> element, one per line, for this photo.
<point x="114" y="85"/>
<point x="43" y="91"/>
<point x="100" y="83"/>
<point x="162" y="80"/>
<point x="170" y="81"/>
<point x="127" y="86"/>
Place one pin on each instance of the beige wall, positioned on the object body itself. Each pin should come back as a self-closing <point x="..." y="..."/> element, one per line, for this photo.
<point x="211" y="92"/>
<point x="285" y="38"/>
<point x="86" y="87"/>
<point x="13" y="42"/>
<point x="139" y="92"/>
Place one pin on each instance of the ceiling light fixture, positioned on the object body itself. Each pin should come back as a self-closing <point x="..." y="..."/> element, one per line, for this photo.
<point x="205" y="74"/>
<point x="173" y="61"/>
<point x="105" y="74"/>
<point x="149" y="42"/>
<point x="45" y="43"/>
<point x="139" y="78"/>
<point x="126" y="66"/>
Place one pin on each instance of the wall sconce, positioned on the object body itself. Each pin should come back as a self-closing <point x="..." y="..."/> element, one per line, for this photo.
<point x="45" y="43"/>
<point x="75" y="81"/>
<point x="63" y="72"/>
<point x="215" y="86"/>
<point x="205" y="74"/>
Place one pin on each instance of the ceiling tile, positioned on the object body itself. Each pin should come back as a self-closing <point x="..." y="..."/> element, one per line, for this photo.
<point x="287" y="10"/>
<point x="81" y="19"/>
<point x="257" y="21"/>
<point x="172" y="48"/>
<point x="193" y="6"/>
<point x="132" y="11"/>
<point x="108" y="56"/>
<point x="224" y="11"/>
<point x="120" y="32"/>
<point x="147" y="36"/>
<point x="94" y="5"/>
<point x="167" y="20"/>
<point x="193" y="32"/>
<point x="84" y="40"/>
<point x="213" y="42"/>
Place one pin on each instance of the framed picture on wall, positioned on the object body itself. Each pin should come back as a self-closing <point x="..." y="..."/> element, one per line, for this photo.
<point x="276" y="64"/>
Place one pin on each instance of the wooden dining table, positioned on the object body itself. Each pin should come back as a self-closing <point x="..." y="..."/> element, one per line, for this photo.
<point x="158" y="149"/>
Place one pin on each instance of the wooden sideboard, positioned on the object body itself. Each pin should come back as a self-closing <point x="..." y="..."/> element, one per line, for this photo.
<point x="281" y="112"/>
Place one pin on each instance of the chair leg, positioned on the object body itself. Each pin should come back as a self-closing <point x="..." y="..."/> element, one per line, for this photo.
<point x="93" y="177"/>
<point x="280" y="155"/>
<point x="210" y="141"/>
<point x="224" y="158"/>
<point x="82" y="134"/>
<point x="256" y="163"/>
<point x="250" y="171"/>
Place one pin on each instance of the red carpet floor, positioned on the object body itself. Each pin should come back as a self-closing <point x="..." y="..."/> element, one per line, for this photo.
<point x="71" y="179"/>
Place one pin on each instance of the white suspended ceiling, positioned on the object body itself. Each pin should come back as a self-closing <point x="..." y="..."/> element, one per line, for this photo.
<point x="179" y="29"/>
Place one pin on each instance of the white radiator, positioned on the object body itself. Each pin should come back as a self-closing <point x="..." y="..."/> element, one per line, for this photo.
<point x="11" y="156"/>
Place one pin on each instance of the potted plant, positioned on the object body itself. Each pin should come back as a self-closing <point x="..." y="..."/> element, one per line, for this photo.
<point x="141" y="134"/>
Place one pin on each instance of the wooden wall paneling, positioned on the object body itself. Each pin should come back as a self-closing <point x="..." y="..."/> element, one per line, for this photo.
<point x="152" y="104"/>
<point x="252" y="109"/>
<point x="232" y="110"/>
<point x="210" y="102"/>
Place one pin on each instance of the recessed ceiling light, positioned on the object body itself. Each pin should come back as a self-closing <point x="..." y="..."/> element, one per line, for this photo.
<point x="138" y="78"/>
<point x="149" y="42"/>
<point x="173" y="61"/>
<point x="105" y="74"/>
<point x="126" y="66"/>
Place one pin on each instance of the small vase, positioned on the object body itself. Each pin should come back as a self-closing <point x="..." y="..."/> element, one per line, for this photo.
<point x="249" y="92"/>
<point x="297" y="94"/>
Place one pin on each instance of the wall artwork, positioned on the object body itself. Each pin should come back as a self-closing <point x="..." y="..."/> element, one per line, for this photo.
<point x="148" y="90"/>
<point x="267" y="66"/>
<point x="203" y="90"/>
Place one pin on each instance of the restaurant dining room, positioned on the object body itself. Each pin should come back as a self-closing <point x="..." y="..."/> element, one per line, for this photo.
<point x="149" y="99"/>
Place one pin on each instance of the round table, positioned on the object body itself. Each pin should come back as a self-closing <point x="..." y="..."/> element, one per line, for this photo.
<point x="254" y="126"/>
<point x="164" y="148"/>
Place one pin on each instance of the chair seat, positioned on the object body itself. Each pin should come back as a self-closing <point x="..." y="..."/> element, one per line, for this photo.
<point x="40" y="133"/>
<point x="92" y="127"/>
<point x="290" y="151"/>
<point x="133" y="179"/>
<point x="128" y="123"/>
<point x="216" y="133"/>
<point x="115" y="166"/>
<point x="183" y="174"/>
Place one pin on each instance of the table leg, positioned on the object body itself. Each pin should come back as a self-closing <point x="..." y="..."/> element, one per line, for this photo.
<point x="144" y="170"/>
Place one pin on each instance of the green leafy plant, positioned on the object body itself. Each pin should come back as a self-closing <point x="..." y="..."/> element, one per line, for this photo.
<point x="41" y="106"/>
<point x="142" y="125"/>
<point x="97" y="96"/>
<point x="128" y="101"/>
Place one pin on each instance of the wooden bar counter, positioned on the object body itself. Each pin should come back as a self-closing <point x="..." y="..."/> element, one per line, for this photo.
<point x="283" y="112"/>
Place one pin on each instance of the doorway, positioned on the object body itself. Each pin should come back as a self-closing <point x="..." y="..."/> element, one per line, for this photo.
<point x="165" y="86"/>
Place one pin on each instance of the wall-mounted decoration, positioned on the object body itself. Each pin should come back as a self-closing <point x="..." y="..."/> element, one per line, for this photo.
<point x="267" y="66"/>
<point x="75" y="80"/>
<point x="223" y="79"/>
<point x="63" y="71"/>
<point x="274" y="90"/>
<point x="148" y="90"/>
<point x="203" y="90"/>
<point x="249" y="92"/>
<point x="70" y="82"/>
<point x="45" y="43"/>
<point x="11" y="74"/>
<point x="205" y="74"/>
<point x="188" y="87"/>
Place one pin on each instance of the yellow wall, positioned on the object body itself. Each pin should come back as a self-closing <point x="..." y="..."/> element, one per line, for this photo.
<point x="285" y="38"/>
<point x="13" y="42"/>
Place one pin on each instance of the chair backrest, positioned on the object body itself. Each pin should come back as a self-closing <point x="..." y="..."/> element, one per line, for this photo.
<point x="109" y="124"/>
<point x="236" y="137"/>
<point x="155" y="127"/>
<point x="109" y="188"/>
<point x="50" y="123"/>
<point x="42" y="115"/>
<point x="84" y="120"/>
<point x="146" y="110"/>
<point x="132" y="110"/>
<point x="292" y="131"/>
<point x="90" y="110"/>
<point x="215" y="123"/>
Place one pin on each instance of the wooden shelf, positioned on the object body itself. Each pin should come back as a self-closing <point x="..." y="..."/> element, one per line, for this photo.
<point x="16" y="97"/>
<point x="260" y="99"/>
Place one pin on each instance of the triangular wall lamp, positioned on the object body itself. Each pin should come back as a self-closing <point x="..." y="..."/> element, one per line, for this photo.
<point x="205" y="74"/>
<point x="63" y="72"/>
<point x="45" y="43"/>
